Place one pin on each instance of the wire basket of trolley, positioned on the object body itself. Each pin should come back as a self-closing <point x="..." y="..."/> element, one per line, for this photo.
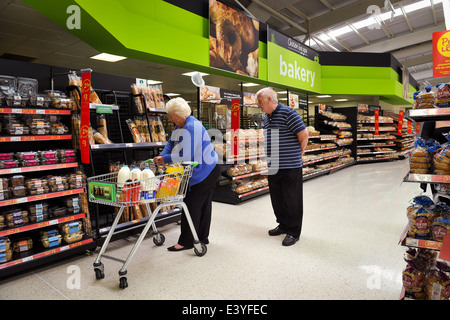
<point x="117" y="189"/>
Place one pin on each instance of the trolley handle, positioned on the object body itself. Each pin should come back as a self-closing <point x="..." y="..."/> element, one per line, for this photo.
<point x="184" y="163"/>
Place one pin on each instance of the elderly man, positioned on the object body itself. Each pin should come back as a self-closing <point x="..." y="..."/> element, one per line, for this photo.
<point x="285" y="166"/>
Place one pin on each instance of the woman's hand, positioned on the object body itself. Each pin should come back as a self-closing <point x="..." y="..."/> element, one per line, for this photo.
<point x="158" y="160"/>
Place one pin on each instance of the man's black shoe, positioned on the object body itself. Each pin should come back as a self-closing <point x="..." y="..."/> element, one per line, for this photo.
<point x="277" y="231"/>
<point x="289" y="240"/>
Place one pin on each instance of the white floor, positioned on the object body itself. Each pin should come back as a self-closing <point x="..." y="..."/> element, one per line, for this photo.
<point x="348" y="250"/>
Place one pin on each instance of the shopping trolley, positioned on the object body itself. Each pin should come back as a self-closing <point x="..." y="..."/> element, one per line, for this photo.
<point x="167" y="189"/>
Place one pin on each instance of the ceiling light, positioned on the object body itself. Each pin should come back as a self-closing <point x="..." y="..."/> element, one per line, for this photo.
<point x="190" y="74"/>
<point x="310" y="101"/>
<point x="282" y="92"/>
<point x="340" y="100"/>
<point x="172" y="94"/>
<point x="108" y="57"/>
<point x="324" y="96"/>
<point x="250" y="84"/>
<point x="150" y="82"/>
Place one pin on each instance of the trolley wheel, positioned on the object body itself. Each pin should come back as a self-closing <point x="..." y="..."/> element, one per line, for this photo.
<point x="160" y="241"/>
<point x="202" y="252"/>
<point x="99" y="274"/>
<point x="123" y="283"/>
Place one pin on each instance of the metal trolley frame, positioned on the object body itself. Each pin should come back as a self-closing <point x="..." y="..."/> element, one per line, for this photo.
<point x="168" y="189"/>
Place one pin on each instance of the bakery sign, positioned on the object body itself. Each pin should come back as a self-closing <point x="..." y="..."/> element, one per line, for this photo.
<point x="292" y="63"/>
<point x="441" y="54"/>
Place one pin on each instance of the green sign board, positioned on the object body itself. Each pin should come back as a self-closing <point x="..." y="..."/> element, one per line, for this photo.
<point x="291" y="63"/>
<point x="102" y="191"/>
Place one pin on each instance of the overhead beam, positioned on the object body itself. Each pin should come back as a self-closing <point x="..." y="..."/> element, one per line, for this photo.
<point x="332" y="18"/>
<point x="417" y="61"/>
<point x="402" y="41"/>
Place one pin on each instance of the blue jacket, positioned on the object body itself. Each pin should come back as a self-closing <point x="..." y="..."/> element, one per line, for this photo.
<point x="191" y="143"/>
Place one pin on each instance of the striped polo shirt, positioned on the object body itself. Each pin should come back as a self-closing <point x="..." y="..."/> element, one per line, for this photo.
<point x="282" y="146"/>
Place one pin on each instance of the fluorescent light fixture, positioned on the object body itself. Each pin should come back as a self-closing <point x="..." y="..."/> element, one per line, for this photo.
<point x="282" y="99"/>
<point x="310" y="101"/>
<point x="190" y="74"/>
<point x="282" y="92"/>
<point x="108" y="57"/>
<point x="324" y="96"/>
<point x="339" y="100"/>
<point x="172" y="94"/>
<point x="250" y="84"/>
<point x="150" y="82"/>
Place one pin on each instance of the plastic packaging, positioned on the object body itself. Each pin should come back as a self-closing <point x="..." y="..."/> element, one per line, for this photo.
<point x="73" y="237"/>
<point x="71" y="227"/>
<point x="134" y="131"/>
<point x="135" y="174"/>
<point x="51" y="241"/>
<point x="23" y="245"/>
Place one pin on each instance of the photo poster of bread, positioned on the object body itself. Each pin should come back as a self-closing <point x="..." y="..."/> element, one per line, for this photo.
<point x="233" y="40"/>
<point x="250" y="99"/>
<point x="293" y="100"/>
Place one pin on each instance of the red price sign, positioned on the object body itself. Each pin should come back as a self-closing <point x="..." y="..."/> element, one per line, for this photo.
<point x="377" y="122"/>
<point x="400" y="122"/>
<point x="85" y="113"/>
<point x="235" y="110"/>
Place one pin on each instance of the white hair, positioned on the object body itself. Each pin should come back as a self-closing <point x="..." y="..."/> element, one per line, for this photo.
<point x="268" y="92"/>
<point x="178" y="106"/>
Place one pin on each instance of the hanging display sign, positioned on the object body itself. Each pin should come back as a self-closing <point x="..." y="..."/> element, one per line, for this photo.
<point x="409" y="127"/>
<point x="441" y="54"/>
<point x="400" y="122"/>
<point x="377" y="121"/>
<point x="235" y="111"/>
<point x="291" y="63"/>
<point x="85" y="113"/>
<point x="233" y="40"/>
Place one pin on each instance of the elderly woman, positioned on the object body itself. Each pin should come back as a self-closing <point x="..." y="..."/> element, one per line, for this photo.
<point x="191" y="142"/>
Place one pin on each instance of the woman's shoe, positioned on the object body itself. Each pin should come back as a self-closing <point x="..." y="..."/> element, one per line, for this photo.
<point x="172" y="248"/>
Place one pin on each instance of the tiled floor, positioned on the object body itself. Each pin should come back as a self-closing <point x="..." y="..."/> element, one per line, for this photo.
<point x="348" y="250"/>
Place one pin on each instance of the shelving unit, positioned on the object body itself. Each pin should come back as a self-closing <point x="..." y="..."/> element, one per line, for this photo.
<point x="334" y="148"/>
<point x="38" y="255"/>
<point x="375" y="137"/>
<point x="421" y="115"/>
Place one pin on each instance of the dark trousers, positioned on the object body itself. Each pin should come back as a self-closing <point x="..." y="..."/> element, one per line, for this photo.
<point x="198" y="201"/>
<point x="286" y="194"/>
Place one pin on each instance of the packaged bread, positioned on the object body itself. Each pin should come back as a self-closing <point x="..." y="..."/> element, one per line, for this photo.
<point x="99" y="138"/>
<point x="137" y="99"/>
<point x="134" y="131"/>
<point x="15" y="214"/>
<point x="6" y="256"/>
<point x="73" y="237"/>
<point x="5" y="244"/>
<point x="50" y="241"/>
<point x="24" y="244"/>
<point x="37" y="208"/>
<point x="71" y="227"/>
<point x="101" y="125"/>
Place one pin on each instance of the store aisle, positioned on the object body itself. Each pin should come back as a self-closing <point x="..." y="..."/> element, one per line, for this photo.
<point x="348" y="250"/>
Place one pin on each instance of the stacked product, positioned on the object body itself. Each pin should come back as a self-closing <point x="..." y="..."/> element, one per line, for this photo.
<point x="36" y="158"/>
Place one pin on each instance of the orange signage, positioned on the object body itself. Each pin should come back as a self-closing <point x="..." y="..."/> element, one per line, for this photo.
<point x="441" y="54"/>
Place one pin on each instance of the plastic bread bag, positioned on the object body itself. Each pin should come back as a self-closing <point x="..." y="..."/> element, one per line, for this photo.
<point x="419" y="208"/>
<point x="134" y="131"/>
<point x="137" y="98"/>
<point x="160" y="96"/>
<point x="99" y="138"/>
<point x="412" y="279"/>
<point x="443" y="95"/>
<point x="101" y="125"/>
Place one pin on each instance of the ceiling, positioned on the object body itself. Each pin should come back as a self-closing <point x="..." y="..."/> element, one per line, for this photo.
<point x="403" y="28"/>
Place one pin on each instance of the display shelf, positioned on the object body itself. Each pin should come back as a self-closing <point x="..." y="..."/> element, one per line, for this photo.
<point x="426" y="178"/>
<point x="320" y="149"/>
<point x="420" y="243"/>
<point x="252" y="174"/>
<point x="39" y="256"/>
<point x="327" y="171"/>
<point x="42" y="224"/>
<point x="44" y="196"/>
<point x="35" y="138"/>
<point x="120" y="146"/>
<point x="34" y="111"/>
<point x="376" y="160"/>
<point x="421" y="115"/>
<point x="39" y="168"/>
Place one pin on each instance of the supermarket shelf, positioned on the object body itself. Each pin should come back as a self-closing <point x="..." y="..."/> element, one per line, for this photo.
<point x="426" y="178"/>
<point x="375" y="145"/>
<point x="39" y="168"/>
<point x="40" y="197"/>
<point x="120" y="146"/>
<point x="225" y="195"/>
<point x="257" y="192"/>
<point x="321" y="159"/>
<point x="35" y="111"/>
<point x="375" y="152"/>
<point x="256" y="173"/>
<point x="320" y="149"/>
<point x="42" y="224"/>
<point x="377" y="160"/>
<point x="257" y="156"/>
<point x="420" y="115"/>
<point x="39" y="256"/>
<point x="424" y="244"/>
<point x="35" y="138"/>
<point x="327" y="171"/>
<point x="375" y="138"/>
